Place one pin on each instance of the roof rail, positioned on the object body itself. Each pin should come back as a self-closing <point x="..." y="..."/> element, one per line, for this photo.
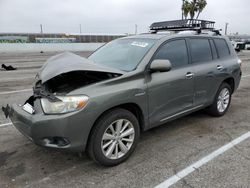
<point x="184" y="25"/>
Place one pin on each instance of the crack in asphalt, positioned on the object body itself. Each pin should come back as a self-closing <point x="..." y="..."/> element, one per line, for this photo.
<point x="185" y="183"/>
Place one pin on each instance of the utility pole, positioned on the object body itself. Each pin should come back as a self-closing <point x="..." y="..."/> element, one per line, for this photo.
<point x="136" y="26"/>
<point x="80" y="27"/>
<point x="226" y="28"/>
<point x="41" y="28"/>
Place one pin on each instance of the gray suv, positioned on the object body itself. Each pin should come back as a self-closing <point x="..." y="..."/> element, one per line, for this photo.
<point x="102" y="103"/>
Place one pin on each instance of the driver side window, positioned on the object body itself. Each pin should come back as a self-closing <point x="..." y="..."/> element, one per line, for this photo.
<point x="174" y="51"/>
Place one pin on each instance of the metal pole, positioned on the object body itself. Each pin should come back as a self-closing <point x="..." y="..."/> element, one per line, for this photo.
<point x="80" y="28"/>
<point x="226" y="28"/>
<point x="41" y="28"/>
<point x="136" y="28"/>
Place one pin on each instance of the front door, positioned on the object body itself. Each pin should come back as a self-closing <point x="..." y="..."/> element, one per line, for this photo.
<point x="170" y="93"/>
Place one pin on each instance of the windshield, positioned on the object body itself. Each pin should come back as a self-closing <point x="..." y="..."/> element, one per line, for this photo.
<point x="122" y="54"/>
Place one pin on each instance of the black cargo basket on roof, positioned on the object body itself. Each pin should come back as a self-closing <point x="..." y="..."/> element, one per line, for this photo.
<point x="182" y="25"/>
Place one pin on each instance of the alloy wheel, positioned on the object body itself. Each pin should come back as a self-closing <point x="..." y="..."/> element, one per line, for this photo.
<point x="118" y="139"/>
<point x="223" y="100"/>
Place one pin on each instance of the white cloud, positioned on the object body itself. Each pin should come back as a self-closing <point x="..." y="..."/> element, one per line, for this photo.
<point x="111" y="16"/>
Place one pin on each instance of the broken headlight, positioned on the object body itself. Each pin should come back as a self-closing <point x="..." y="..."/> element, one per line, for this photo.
<point x="66" y="105"/>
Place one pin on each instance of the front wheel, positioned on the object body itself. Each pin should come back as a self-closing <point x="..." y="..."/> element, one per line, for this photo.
<point x="114" y="137"/>
<point x="222" y="101"/>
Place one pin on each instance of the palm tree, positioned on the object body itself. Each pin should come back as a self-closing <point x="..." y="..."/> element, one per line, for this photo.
<point x="191" y="8"/>
<point x="186" y="8"/>
<point x="200" y="5"/>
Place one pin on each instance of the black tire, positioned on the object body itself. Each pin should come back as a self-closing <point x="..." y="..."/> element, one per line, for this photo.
<point x="94" y="148"/>
<point x="213" y="109"/>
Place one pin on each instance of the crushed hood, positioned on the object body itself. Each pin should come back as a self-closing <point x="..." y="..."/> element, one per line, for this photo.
<point x="69" y="62"/>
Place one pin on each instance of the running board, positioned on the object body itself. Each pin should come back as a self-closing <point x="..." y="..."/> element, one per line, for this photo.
<point x="183" y="112"/>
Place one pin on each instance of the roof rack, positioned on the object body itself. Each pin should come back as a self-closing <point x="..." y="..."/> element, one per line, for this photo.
<point x="184" y="25"/>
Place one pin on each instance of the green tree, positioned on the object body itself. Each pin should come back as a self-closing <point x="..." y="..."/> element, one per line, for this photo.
<point x="200" y="5"/>
<point x="192" y="7"/>
<point x="186" y="8"/>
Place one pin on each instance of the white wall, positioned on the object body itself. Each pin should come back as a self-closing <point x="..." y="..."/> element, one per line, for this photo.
<point x="48" y="47"/>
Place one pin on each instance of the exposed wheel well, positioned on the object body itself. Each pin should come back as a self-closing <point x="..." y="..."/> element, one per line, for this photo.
<point x="230" y="81"/>
<point x="132" y="107"/>
<point x="136" y="110"/>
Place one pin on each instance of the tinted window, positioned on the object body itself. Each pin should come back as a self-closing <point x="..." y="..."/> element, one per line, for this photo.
<point x="175" y="52"/>
<point x="200" y="50"/>
<point x="222" y="47"/>
<point x="214" y="52"/>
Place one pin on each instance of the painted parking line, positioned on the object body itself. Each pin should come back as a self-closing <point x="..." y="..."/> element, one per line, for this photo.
<point x="17" y="91"/>
<point x="5" y="124"/>
<point x="183" y="173"/>
<point x="246" y="76"/>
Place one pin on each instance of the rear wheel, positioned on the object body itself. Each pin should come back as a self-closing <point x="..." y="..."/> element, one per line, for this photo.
<point x="114" y="137"/>
<point x="222" y="101"/>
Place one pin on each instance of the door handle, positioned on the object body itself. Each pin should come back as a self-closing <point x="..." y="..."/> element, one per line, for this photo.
<point x="189" y="75"/>
<point x="219" y="67"/>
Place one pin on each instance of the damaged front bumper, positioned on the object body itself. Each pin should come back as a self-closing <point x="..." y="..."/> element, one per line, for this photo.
<point x="65" y="131"/>
<point x="59" y="76"/>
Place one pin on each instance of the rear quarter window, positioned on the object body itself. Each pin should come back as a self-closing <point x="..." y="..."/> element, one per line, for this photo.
<point x="200" y="50"/>
<point x="222" y="48"/>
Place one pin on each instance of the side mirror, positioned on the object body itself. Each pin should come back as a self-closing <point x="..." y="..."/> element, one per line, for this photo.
<point x="160" y="65"/>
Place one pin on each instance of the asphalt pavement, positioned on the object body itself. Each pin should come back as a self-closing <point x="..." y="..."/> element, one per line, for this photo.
<point x="161" y="153"/>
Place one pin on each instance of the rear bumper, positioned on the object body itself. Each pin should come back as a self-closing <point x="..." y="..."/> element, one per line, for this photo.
<point x="73" y="128"/>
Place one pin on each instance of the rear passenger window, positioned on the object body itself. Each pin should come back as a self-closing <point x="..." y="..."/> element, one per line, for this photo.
<point x="200" y="50"/>
<point x="174" y="51"/>
<point x="214" y="52"/>
<point x="222" y="47"/>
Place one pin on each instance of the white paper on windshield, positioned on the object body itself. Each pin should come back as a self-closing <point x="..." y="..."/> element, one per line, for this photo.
<point x="139" y="44"/>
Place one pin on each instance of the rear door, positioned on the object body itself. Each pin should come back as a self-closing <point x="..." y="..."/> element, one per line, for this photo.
<point x="170" y="93"/>
<point x="203" y="57"/>
<point x="227" y="63"/>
